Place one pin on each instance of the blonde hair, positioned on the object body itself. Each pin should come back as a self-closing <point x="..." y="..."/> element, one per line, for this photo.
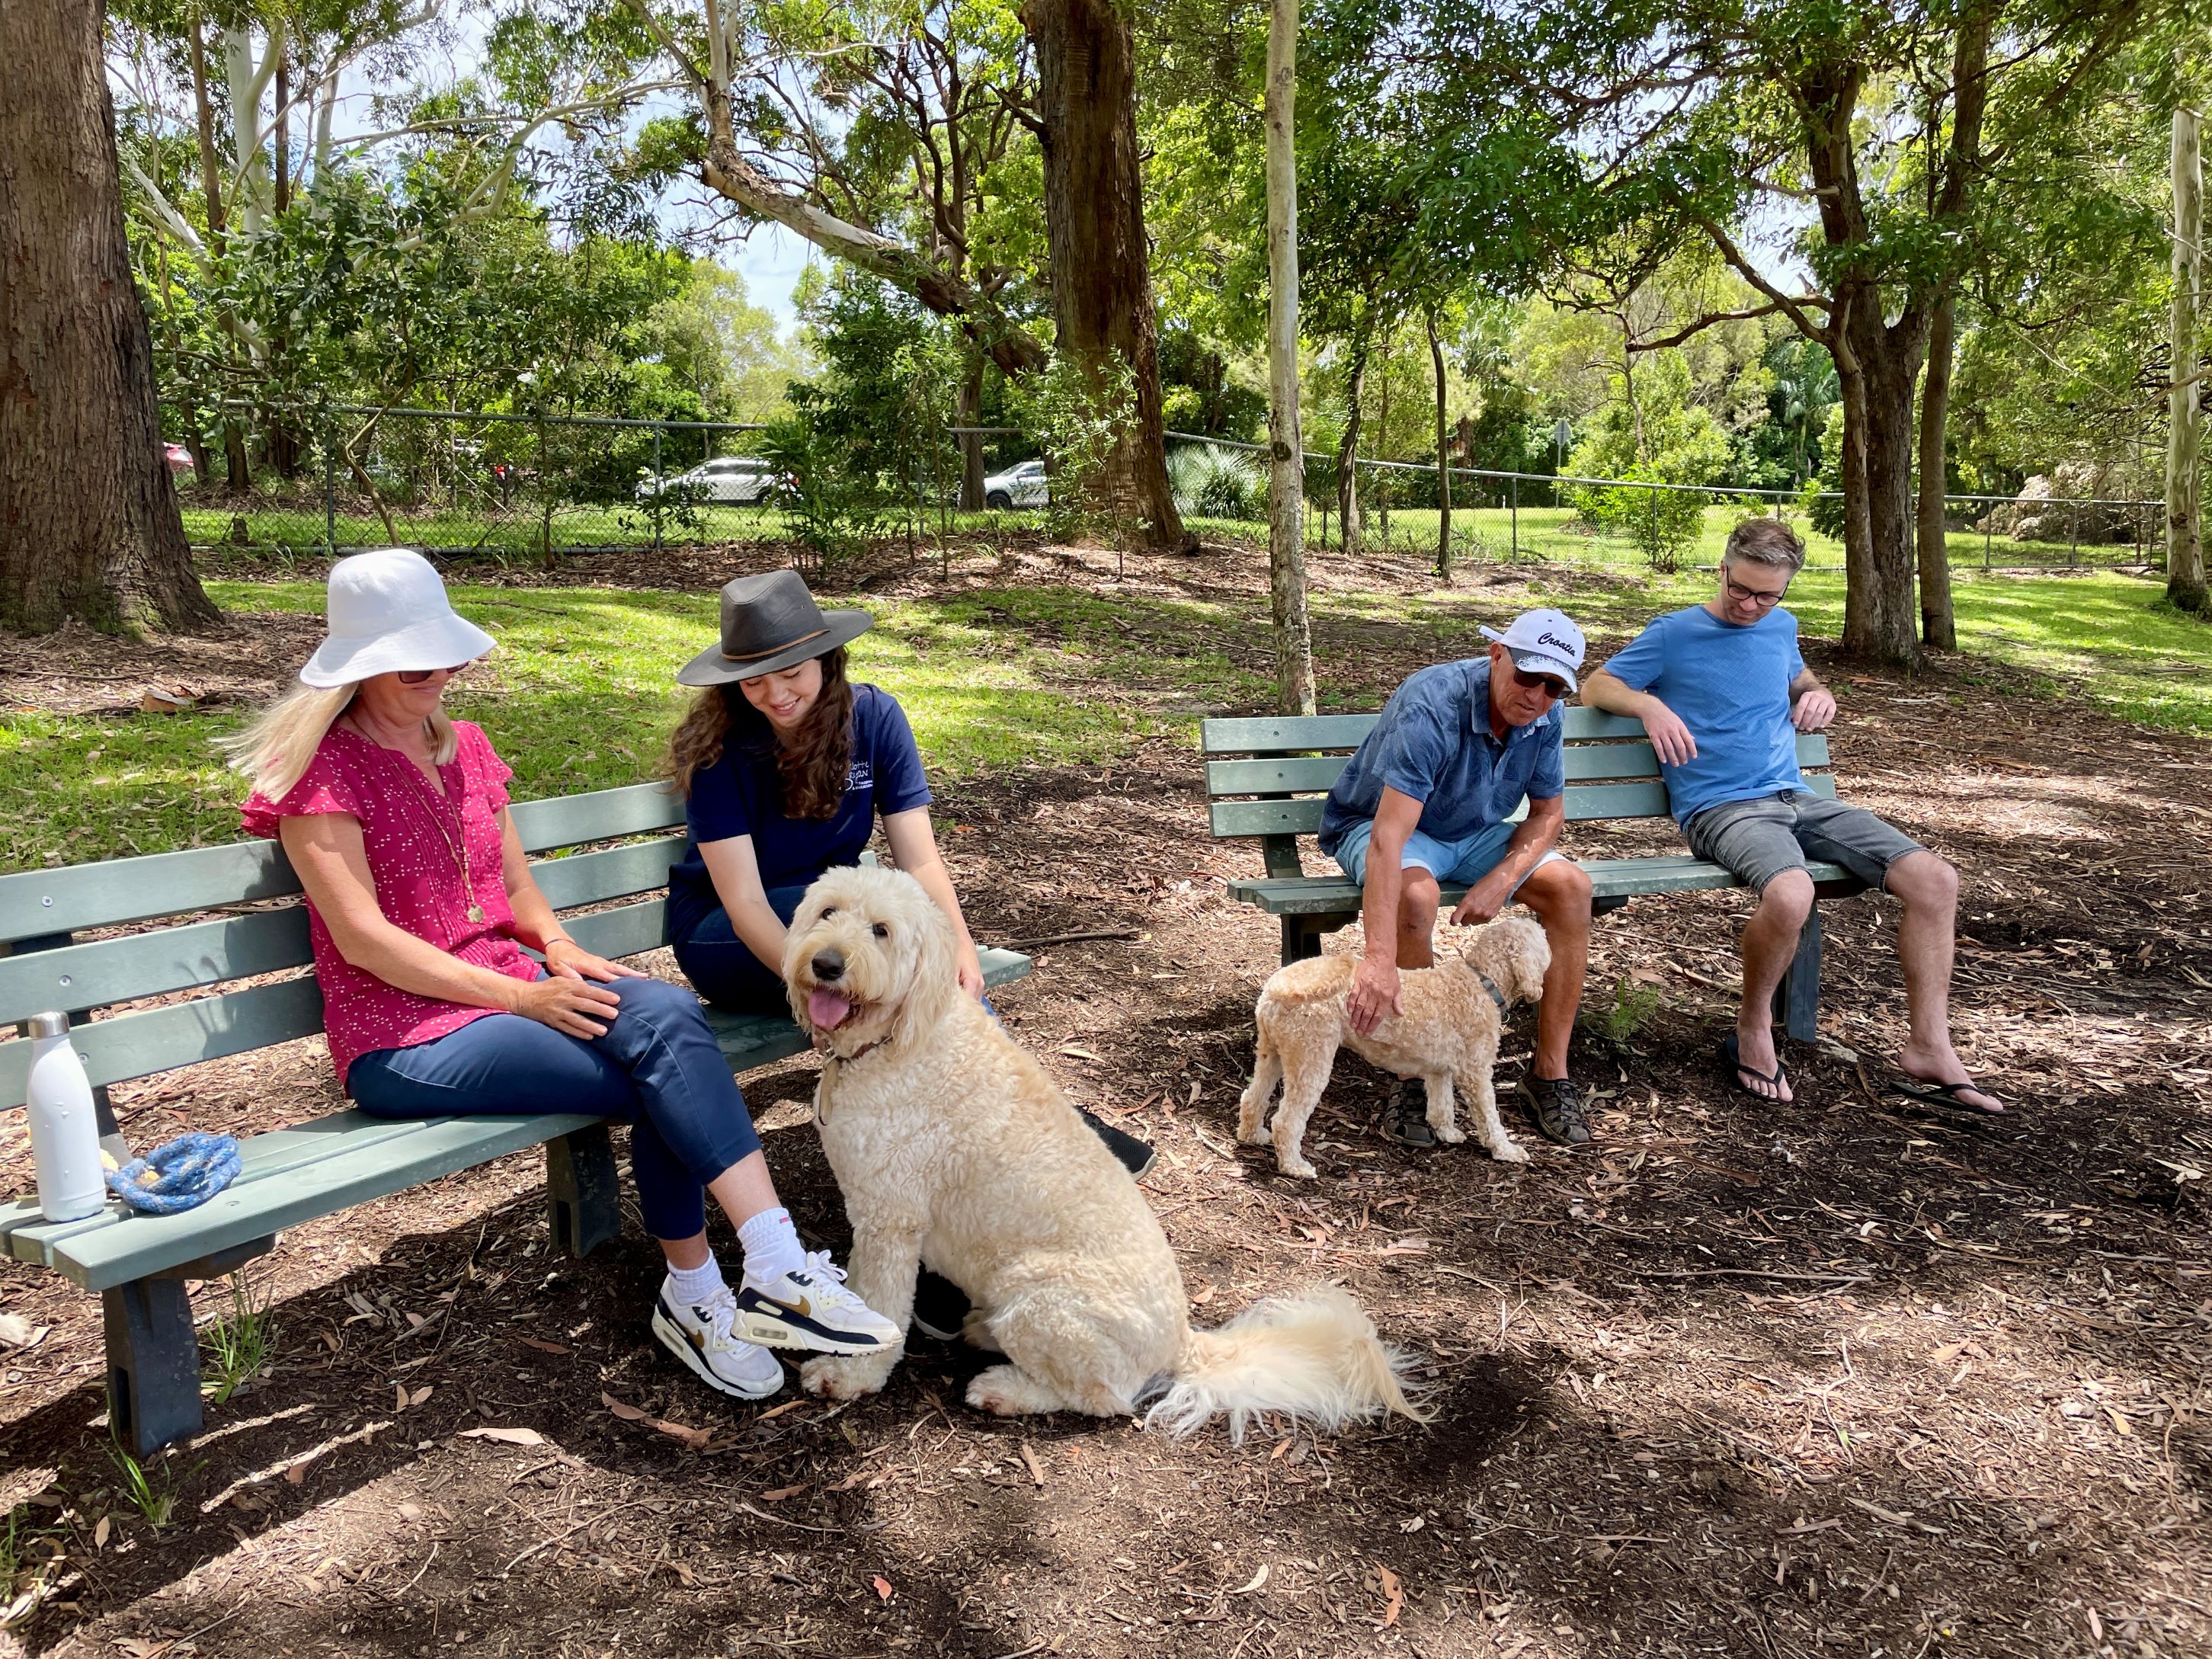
<point x="277" y="750"/>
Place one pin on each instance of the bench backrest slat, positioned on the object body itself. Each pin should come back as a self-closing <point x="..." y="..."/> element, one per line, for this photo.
<point x="152" y="1040"/>
<point x="75" y="897"/>
<point x="1612" y="772"/>
<point x="169" y="959"/>
<point x="1587" y="803"/>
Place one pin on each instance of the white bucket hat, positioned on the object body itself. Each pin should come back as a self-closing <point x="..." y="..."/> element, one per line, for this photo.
<point x="387" y="612"/>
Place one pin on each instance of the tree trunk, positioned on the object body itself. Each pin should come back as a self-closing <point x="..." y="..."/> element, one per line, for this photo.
<point x="970" y="406"/>
<point x="88" y="521"/>
<point x="1287" y="472"/>
<point x="2185" y="535"/>
<point x="1877" y="370"/>
<point x="1937" y="626"/>
<point x="1444" y="460"/>
<point x="1383" y="442"/>
<point x="1347" y="452"/>
<point x="1102" y="284"/>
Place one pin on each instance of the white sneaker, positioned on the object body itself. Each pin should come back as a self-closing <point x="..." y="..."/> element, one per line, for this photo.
<point x="812" y="1309"/>
<point x="703" y="1338"/>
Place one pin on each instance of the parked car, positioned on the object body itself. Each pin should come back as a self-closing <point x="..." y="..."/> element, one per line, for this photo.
<point x="178" y="457"/>
<point x="1024" y="485"/>
<point x="730" y="481"/>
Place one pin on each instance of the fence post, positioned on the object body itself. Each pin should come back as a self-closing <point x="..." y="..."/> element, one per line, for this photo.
<point x="329" y="496"/>
<point x="1651" y="495"/>
<point x="2073" y="528"/>
<point x="1515" y="498"/>
<point x="1987" y="519"/>
<point x="657" y="431"/>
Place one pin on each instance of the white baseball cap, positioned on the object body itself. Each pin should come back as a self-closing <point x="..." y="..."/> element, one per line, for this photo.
<point x="388" y="612"/>
<point x="1542" y="642"/>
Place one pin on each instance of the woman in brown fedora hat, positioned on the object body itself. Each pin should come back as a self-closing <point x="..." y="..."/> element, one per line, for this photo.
<point x="786" y="765"/>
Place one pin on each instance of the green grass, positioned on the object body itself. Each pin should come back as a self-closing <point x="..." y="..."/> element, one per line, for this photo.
<point x="581" y="695"/>
<point x="240" y="1343"/>
<point x="1480" y="532"/>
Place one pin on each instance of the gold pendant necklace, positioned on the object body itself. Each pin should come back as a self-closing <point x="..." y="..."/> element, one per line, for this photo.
<point x="459" y="851"/>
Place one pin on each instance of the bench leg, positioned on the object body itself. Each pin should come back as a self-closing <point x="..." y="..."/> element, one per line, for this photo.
<point x="582" y="1190"/>
<point x="1301" y="938"/>
<point x="152" y="1364"/>
<point x="1797" y="998"/>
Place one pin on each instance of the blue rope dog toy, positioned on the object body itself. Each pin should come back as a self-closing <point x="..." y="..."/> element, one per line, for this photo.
<point x="184" y="1174"/>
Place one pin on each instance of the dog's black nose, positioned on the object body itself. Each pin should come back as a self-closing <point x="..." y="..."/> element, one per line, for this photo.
<point x="829" y="965"/>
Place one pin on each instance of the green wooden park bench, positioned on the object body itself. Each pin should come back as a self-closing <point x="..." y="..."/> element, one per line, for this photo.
<point x="238" y="918"/>
<point x="1272" y="791"/>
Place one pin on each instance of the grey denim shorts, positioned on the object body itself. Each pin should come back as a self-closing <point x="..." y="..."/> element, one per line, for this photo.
<point x="1759" y="839"/>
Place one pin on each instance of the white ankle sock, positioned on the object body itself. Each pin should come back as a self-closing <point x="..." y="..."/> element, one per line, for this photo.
<point x="693" y="1285"/>
<point x="772" y="1247"/>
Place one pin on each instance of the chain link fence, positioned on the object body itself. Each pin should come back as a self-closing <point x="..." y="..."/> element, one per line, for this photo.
<point x="520" y="487"/>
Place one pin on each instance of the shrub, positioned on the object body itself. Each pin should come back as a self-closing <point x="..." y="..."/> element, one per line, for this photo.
<point x="1217" y="484"/>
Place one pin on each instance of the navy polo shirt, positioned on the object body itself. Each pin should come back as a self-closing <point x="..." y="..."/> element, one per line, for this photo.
<point x="741" y="795"/>
<point x="1433" y="743"/>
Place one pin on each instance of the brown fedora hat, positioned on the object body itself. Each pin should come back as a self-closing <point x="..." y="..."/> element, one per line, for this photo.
<point x="770" y="623"/>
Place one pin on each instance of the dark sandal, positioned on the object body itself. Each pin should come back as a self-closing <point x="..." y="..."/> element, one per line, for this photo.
<point x="1946" y="1094"/>
<point x="1732" y="1058"/>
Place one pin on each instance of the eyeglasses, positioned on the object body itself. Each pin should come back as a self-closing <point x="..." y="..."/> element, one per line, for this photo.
<point x="420" y="676"/>
<point x="1765" y="601"/>
<point x="1549" y="685"/>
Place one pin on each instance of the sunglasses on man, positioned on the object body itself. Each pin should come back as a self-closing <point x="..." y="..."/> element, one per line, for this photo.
<point x="1551" y="686"/>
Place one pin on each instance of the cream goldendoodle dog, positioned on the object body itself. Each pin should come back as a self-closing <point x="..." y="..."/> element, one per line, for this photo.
<point x="1447" y="1034"/>
<point x="954" y="1148"/>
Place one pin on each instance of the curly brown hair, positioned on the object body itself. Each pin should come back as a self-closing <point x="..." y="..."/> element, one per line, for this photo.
<point x="812" y="763"/>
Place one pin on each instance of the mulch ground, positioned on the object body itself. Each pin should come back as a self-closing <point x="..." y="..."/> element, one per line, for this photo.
<point x="1845" y="1376"/>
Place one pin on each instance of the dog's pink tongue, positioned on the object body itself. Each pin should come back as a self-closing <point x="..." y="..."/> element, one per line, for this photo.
<point x="827" y="1009"/>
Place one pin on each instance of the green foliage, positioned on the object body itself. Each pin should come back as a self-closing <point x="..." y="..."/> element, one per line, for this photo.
<point x="1211" y="483"/>
<point x="1651" y="433"/>
<point x="830" y="503"/>
<point x="1077" y="416"/>
<point x="1616" y="1023"/>
<point x="150" y="1488"/>
<point x="239" y="1344"/>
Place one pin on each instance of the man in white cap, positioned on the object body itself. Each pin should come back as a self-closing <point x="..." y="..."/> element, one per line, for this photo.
<point x="1430" y="798"/>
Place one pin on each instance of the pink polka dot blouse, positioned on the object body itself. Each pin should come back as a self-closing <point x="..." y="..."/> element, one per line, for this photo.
<point x="414" y="838"/>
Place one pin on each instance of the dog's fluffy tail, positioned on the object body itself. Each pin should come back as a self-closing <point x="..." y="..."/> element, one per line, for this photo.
<point x="1314" y="1357"/>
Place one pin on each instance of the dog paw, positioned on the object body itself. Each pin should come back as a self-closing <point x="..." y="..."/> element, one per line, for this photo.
<point x="1510" y="1151"/>
<point x="1298" y="1167"/>
<point x="1256" y="1135"/>
<point x="846" y="1377"/>
<point x="1450" y="1134"/>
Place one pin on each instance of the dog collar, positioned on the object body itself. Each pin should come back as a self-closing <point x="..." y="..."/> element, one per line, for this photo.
<point x="831" y="1057"/>
<point x="1490" y="985"/>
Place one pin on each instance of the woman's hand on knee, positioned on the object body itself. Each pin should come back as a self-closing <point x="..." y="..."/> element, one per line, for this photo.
<point x="571" y="1006"/>
<point x="570" y="960"/>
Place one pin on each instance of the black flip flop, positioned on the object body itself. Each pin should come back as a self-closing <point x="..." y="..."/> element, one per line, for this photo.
<point x="1732" y="1058"/>
<point x="1946" y="1094"/>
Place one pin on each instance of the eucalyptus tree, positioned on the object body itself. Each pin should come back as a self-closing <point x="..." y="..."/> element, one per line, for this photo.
<point x="776" y="86"/>
<point x="89" y="525"/>
<point x="1885" y="140"/>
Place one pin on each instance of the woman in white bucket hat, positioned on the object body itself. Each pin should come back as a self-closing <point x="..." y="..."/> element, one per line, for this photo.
<point x="419" y="904"/>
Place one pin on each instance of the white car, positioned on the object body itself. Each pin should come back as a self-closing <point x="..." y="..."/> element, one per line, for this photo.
<point x="733" y="481"/>
<point x="1018" y="486"/>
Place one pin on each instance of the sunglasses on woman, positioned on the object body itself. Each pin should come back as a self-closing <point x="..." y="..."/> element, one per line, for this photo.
<point x="1548" y="684"/>
<point x="421" y="676"/>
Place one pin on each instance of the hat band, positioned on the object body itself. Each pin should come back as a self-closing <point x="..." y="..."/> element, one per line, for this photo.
<point x="755" y="656"/>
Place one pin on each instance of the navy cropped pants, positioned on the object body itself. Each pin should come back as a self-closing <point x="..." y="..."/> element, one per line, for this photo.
<point x="656" y="1068"/>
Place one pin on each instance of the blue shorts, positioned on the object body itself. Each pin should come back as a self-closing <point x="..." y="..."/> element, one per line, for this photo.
<point x="1462" y="863"/>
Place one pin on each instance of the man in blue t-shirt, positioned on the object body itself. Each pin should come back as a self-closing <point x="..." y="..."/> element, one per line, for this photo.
<point x="1429" y="798"/>
<point x="1723" y="692"/>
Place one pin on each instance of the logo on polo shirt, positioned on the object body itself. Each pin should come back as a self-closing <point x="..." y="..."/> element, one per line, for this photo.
<point x="862" y="776"/>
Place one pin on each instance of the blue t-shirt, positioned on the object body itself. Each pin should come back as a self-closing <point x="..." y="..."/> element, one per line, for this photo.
<point x="1433" y="743"/>
<point x="741" y="795"/>
<point x="1730" y="685"/>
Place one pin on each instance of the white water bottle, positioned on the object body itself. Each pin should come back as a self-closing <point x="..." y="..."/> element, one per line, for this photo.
<point x="65" y="1127"/>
